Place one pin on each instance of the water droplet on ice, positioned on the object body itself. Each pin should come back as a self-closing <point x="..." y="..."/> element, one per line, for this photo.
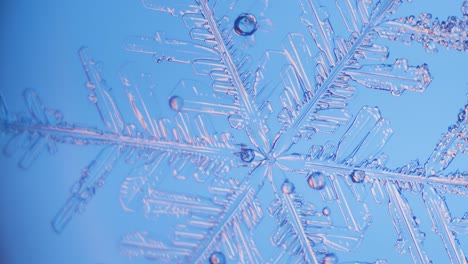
<point x="176" y="103"/>
<point x="287" y="187"/>
<point x="92" y="98"/>
<point x="236" y="121"/>
<point x="462" y="114"/>
<point x="247" y="155"/>
<point x="330" y="259"/>
<point x="90" y="85"/>
<point x="326" y="211"/>
<point x="464" y="8"/>
<point x="217" y="258"/>
<point x="357" y="176"/>
<point x="316" y="180"/>
<point x="245" y="24"/>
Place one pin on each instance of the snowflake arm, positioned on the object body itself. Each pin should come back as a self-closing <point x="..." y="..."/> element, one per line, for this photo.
<point x="334" y="71"/>
<point x="443" y="224"/>
<point x="452" y="33"/>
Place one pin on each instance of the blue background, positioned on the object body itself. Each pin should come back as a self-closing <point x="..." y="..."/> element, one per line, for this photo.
<point x="38" y="50"/>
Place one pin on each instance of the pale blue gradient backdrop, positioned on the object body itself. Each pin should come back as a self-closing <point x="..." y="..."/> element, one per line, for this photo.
<point x="38" y="49"/>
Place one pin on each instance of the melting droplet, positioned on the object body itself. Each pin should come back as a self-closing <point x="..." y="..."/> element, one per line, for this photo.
<point x="287" y="187"/>
<point x="247" y="155"/>
<point x="326" y="211"/>
<point x="245" y="24"/>
<point x="357" y="176"/>
<point x="176" y="103"/>
<point x="400" y="246"/>
<point x="92" y="98"/>
<point x="236" y="121"/>
<point x="316" y="180"/>
<point x="330" y="259"/>
<point x="462" y="114"/>
<point x="464" y="8"/>
<point x="90" y="85"/>
<point x="217" y="258"/>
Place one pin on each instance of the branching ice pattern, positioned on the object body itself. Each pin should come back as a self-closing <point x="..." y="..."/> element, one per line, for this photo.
<point x="241" y="145"/>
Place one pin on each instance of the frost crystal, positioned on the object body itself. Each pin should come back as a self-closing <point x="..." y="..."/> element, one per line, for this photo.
<point x="239" y="138"/>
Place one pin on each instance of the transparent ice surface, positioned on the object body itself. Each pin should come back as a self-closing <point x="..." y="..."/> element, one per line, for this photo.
<point x="235" y="132"/>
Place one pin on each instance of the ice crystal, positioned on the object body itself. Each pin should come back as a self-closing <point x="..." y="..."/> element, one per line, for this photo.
<point x="238" y="141"/>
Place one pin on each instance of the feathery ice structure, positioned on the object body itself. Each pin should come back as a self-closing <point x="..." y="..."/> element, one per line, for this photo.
<point x="246" y="139"/>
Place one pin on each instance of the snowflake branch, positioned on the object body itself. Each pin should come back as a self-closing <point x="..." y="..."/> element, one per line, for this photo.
<point x="301" y="117"/>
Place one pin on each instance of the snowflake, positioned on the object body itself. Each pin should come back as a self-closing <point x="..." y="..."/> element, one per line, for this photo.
<point x="262" y="142"/>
